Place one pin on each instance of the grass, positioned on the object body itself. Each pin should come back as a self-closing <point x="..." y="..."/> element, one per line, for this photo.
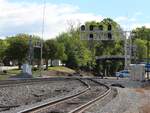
<point x="10" y="73"/>
<point x="14" y="72"/>
<point x="36" y="73"/>
<point x="62" y="69"/>
<point x="51" y="73"/>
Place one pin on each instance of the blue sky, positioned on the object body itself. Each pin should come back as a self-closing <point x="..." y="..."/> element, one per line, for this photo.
<point x="128" y="13"/>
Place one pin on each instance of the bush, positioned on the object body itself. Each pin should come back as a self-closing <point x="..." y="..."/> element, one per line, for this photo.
<point x="34" y="69"/>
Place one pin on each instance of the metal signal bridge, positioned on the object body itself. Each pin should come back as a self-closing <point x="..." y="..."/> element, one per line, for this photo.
<point x="97" y="33"/>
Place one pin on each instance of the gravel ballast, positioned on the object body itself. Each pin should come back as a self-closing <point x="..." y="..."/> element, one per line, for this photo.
<point x="131" y="99"/>
<point x="127" y="101"/>
<point x="28" y="94"/>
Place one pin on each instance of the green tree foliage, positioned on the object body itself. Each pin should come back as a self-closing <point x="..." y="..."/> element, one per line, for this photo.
<point x="141" y="37"/>
<point x="142" y="33"/>
<point x="53" y="50"/>
<point x="3" y="47"/>
<point x="18" y="48"/>
<point x="61" y="52"/>
<point x="141" y="48"/>
<point x="108" y="48"/>
<point x="77" y="53"/>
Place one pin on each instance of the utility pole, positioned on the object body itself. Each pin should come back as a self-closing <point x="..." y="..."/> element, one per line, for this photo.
<point x="41" y="45"/>
<point x="91" y="47"/>
<point x="30" y="50"/>
<point x="27" y="68"/>
<point x="148" y="56"/>
<point x="127" y="49"/>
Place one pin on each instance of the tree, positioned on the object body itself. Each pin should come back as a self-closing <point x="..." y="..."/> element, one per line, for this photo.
<point x="78" y="55"/>
<point x="53" y="50"/>
<point x="141" y="38"/>
<point x="141" y="33"/>
<point x="3" y="47"/>
<point x="108" y="48"/>
<point x="18" y="48"/>
<point x="61" y="52"/>
<point x="141" y="51"/>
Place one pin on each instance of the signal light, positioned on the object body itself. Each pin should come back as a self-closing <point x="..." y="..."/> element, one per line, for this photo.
<point x="109" y="33"/>
<point x="91" y="36"/>
<point x="101" y="27"/>
<point x="91" y="27"/>
<point x="83" y="28"/>
<point x="109" y="36"/>
<point x="109" y="27"/>
<point x="36" y="53"/>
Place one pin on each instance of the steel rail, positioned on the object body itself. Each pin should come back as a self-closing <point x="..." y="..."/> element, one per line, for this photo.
<point x="79" y="109"/>
<point x="83" y="107"/>
<point x="30" y="81"/>
<point x="51" y="103"/>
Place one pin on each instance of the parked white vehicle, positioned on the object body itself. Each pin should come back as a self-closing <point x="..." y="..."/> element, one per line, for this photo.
<point x="123" y="73"/>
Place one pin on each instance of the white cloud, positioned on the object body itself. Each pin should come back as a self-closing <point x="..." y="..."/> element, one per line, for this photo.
<point x="27" y="18"/>
<point x="131" y="22"/>
<point x="135" y="25"/>
<point x="121" y="18"/>
<point x="24" y="17"/>
<point x="139" y="13"/>
<point x="125" y="19"/>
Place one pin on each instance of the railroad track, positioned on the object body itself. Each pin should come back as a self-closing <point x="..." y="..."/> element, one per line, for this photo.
<point x="76" y="103"/>
<point x="31" y="81"/>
